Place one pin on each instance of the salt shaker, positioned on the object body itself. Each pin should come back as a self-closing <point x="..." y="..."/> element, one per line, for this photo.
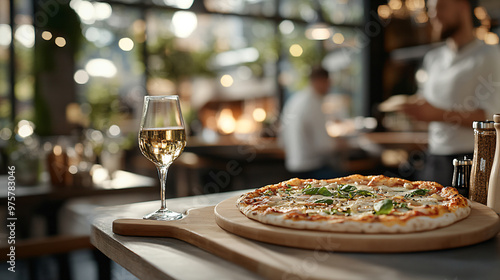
<point x="494" y="183"/>
<point x="461" y="175"/>
<point x="484" y="151"/>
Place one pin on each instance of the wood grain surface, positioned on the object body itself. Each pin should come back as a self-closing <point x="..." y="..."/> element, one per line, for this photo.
<point x="482" y="224"/>
<point x="200" y="229"/>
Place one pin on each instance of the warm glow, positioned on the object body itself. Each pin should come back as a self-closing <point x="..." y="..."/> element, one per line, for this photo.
<point x="245" y="126"/>
<point x="184" y="23"/>
<point x="419" y="4"/>
<point x="336" y="129"/>
<point x="410" y="5"/>
<point x="421" y="76"/>
<point x="384" y="11"/>
<point x="85" y="10"/>
<point x="139" y="26"/>
<point x="46" y="35"/>
<point x="422" y="17"/>
<point x="74" y="113"/>
<point x="126" y="44"/>
<point x="81" y="77"/>
<point x="60" y="42"/>
<point x="25" y="34"/>
<point x="226" y="121"/>
<point x="25" y="128"/>
<point x="395" y="4"/>
<point x="414" y="5"/>
<point x="480" y="13"/>
<point x="100" y="67"/>
<point x="259" y="114"/>
<point x="318" y="33"/>
<point x="491" y="38"/>
<point x="338" y="38"/>
<point x="102" y="10"/>
<point x="296" y="50"/>
<point x="481" y="32"/>
<point x="226" y="80"/>
<point x="486" y="23"/>
<point x="57" y="150"/>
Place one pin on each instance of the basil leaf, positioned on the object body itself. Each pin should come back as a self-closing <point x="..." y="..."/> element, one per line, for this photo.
<point x="347" y="212"/>
<point x="363" y="192"/>
<point x="321" y="191"/>
<point x="310" y="191"/>
<point x="417" y="192"/>
<point x="324" y="191"/>
<point x="326" y="200"/>
<point x="338" y="194"/>
<point x="348" y="188"/>
<point x="383" y="207"/>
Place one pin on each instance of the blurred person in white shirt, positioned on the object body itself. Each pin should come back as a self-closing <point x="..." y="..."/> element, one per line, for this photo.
<point x="308" y="147"/>
<point x="462" y="87"/>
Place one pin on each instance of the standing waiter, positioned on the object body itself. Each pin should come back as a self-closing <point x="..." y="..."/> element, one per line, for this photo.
<point x="462" y="87"/>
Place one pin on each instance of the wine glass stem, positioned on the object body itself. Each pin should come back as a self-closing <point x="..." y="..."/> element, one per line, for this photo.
<point x="162" y="173"/>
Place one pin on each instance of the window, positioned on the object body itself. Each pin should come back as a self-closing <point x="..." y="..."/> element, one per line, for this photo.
<point x="242" y="55"/>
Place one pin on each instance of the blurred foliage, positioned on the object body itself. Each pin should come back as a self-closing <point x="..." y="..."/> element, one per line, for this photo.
<point x="105" y="105"/>
<point x="63" y="23"/>
<point x="312" y="55"/>
<point x="175" y="64"/>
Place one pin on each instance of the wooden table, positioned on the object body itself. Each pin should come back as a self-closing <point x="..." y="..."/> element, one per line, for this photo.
<point x="122" y="182"/>
<point x="165" y="258"/>
<point x="47" y="200"/>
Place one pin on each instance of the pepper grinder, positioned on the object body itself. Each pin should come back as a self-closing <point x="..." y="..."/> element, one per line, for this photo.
<point x="484" y="151"/>
<point x="461" y="175"/>
<point x="494" y="183"/>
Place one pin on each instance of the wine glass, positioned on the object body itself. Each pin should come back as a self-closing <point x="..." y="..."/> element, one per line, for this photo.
<point x="162" y="137"/>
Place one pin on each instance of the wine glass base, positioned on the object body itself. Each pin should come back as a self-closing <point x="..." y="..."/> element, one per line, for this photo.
<point x="164" y="215"/>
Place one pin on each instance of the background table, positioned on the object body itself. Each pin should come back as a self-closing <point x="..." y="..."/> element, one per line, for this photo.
<point x="160" y="258"/>
<point x="63" y="211"/>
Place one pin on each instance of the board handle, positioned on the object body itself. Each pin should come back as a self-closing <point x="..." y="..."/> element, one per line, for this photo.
<point x="137" y="227"/>
<point x="152" y="228"/>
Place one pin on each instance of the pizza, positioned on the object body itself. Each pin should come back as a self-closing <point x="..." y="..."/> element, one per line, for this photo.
<point x="356" y="203"/>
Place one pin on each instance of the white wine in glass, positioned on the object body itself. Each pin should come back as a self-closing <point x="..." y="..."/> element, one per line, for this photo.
<point x="162" y="138"/>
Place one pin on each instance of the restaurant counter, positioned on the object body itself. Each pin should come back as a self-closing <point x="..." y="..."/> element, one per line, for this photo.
<point x="165" y="258"/>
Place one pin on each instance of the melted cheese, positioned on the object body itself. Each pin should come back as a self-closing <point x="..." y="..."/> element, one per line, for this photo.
<point x="295" y="201"/>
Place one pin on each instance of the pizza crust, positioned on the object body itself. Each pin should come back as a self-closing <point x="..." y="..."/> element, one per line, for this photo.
<point x="454" y="208"/>
<point x="416" y="224"/>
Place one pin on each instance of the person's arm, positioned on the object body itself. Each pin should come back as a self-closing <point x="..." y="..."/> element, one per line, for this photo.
<point x="419" y="109"/>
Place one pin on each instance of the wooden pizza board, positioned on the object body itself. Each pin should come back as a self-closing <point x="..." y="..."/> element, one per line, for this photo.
<point x="202" y="228"/>
<point x="482" y="224"/>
